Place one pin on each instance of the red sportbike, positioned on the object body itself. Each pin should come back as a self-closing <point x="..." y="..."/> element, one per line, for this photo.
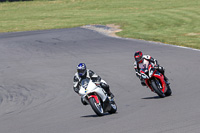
<point x="155" y="80"/>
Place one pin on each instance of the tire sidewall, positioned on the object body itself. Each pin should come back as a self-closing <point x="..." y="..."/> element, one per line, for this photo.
<point x="95" y="109"/>
<point x="113" y="110"/>
<point x="156" y="89"/>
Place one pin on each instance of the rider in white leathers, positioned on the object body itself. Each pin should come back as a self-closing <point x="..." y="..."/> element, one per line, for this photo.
<point x="82" y="73"/>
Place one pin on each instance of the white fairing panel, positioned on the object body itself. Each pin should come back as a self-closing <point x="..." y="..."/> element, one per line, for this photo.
<point x="101" y="93"/>
<point x="91" y="87"/>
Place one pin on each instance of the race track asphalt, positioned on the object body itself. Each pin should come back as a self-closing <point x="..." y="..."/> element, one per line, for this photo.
<point x="36" y="79"/>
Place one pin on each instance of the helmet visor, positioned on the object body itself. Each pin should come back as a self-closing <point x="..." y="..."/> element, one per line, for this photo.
<point x="138" y="57"/>
<point x="81" y="72"/>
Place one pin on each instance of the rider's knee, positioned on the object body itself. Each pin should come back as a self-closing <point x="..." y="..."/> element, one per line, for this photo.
<point x="104" y="85"/>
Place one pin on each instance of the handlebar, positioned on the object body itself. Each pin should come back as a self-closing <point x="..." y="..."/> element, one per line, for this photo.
<point x="144" y="76"/>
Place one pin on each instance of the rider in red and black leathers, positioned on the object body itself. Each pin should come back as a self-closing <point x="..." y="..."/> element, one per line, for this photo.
<point x="143" y="61"/>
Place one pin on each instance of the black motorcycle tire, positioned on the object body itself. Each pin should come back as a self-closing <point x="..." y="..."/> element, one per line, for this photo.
<point x="169" y="91"/>
<point x="113" y="108"/>
<point x="98" y="109"/>
<point x="157" y="90"/>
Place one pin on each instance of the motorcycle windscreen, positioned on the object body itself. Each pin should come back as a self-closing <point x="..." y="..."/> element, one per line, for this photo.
<point x="83" y="86"/>
<point x="87" y="86"/>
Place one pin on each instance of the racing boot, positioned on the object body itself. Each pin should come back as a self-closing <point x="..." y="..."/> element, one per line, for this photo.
<point x="166" y="80"/>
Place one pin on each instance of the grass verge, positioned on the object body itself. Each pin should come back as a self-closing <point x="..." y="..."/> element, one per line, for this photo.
<point x="167" y="21"/>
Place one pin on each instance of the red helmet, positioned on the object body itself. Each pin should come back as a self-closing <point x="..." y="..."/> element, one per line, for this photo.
<point x="138" y="56"/>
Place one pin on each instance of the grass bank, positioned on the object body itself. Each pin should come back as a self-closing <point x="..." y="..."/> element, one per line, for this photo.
<point x="169" y="21"/>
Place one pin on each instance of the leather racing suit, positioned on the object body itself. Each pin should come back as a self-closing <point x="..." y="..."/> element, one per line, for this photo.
<point x="95" y="78"/>
<point x="146" y="59"/>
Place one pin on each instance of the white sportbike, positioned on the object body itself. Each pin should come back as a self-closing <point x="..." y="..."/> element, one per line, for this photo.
<point x="97" y="97"/>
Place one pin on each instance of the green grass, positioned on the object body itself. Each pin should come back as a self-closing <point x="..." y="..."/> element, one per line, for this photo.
<point x="169" y="21"/>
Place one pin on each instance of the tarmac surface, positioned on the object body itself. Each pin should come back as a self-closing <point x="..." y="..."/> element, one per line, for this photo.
<point x="36" y="79"/>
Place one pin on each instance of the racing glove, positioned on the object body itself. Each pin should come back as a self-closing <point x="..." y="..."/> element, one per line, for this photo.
<point x="156" y="66"/>
<point x="138" y="75"/>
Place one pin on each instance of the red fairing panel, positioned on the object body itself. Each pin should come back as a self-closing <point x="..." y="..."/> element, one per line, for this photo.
<point x="95" y="97"/>
<point x="161" y="77"/>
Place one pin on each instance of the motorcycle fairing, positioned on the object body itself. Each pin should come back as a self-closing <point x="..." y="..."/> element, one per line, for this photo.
<point x="100" y="92"/>
<point x="91" y="87"/>
<point x="161" y="78"/>
<point x="158" y="76"/>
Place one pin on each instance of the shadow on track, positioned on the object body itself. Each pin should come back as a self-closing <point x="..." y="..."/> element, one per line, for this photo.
<point x="87" y="116"/>
<point x="155" y="97"/>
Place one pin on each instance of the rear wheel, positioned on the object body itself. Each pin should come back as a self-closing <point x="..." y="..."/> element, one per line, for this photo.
<point x="113" y="107"/>
<point x="169" y="91"/>
<point x="156" y="89"/>
<point x="98" y="109"/>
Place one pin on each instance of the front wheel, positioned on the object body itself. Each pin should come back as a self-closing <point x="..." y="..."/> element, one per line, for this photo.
<point x="98" y="109"/>
<point x="156" y="89"/>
